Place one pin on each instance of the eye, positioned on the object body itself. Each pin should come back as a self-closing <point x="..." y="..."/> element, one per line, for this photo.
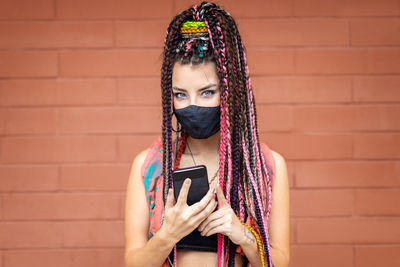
<point x="179" y="95"/>
<point x="208" y="93"/>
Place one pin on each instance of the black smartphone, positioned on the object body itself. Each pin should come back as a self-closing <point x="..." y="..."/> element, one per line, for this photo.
<point x="199" y="187"/>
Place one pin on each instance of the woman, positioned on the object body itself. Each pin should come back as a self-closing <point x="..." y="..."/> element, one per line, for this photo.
<point x="206" y="88"/>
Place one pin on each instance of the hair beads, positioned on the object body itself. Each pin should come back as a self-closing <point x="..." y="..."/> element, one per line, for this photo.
<point x="207" y="33"/>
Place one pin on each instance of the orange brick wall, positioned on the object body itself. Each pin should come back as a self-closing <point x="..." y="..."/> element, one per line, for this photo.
<point x="79" y="97"/>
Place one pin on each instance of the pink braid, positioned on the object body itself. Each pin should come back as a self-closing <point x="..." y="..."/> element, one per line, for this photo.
<point x="254" y="184"/>
<point x="188" y="46"/>
<point x="258" y="163"/>
<point x="196" y="15"/>
<point x="260" y="176"/>
<point x="220" y="253"/>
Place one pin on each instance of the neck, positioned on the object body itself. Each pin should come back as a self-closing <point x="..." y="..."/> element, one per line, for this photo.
<point x="202" y="147"/>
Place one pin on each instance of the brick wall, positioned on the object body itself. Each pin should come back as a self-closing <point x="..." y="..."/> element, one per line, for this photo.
<point x="79" y="97"/>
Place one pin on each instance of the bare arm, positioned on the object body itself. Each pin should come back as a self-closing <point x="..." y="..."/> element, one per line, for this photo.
<point x="279" y="217"/>
<point x="138" y="250"/>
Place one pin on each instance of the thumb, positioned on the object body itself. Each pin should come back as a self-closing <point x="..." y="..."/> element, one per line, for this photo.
<point x="170" y="199"/>
<point x="221" y="198"/>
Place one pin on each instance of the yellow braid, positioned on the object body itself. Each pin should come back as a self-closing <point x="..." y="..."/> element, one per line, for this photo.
<point x="259" y="243"/>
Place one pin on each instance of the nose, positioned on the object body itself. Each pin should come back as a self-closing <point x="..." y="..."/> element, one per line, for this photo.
<point x="193" y="100"/>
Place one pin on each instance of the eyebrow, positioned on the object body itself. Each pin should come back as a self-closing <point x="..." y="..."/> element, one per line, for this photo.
<point x="201" y="89"/>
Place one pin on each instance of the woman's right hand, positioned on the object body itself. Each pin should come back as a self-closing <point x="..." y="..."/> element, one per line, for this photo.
<point x="181" y="219"/>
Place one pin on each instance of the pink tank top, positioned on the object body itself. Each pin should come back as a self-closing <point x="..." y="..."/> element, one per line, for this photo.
<point x="151" y="172"/>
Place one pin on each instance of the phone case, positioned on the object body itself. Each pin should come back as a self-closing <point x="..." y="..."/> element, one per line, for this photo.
<point x="199" y="186"/>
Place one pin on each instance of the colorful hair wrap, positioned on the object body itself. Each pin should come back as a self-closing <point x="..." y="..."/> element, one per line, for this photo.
<point x="194" y="29"/>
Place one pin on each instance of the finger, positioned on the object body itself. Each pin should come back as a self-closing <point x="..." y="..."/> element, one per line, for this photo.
<point x="213" y="224"/>
<point x="221" y="198"/>
<point x="220" y="229"/>
<point x="199" y="217"/>
<point x="213" y="216"/>
<point x="182" y="198"/>
<point x="170" y="199"/>
<point x="202" y="204"/>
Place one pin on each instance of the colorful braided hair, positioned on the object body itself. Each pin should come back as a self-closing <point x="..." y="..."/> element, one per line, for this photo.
<point x="202" y="34"/>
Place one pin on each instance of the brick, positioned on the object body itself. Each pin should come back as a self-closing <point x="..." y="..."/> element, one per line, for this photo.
<point x="270" y="61"/>
<point x="58" y="149"/>
<point x="65" y="257"/>
<point x="348" y="61"/>
<point x="310" y="146"/>
<point x="119" y="63"/>
<point x="111" y="120"/>
<point x="377" y="146"/>
<point x="356" y="174"/>
<point x="251" y="8"/>
<point x="302" y="89"/>
<point x="130" y="146"/>
<point x="56" y="34"/>
<point x="28" y="178"/>
<point x="26" y="9"/>
<point x="94" y="177"/>
<point x="30" y="235"/>
<point x="301" y="255"/>
<point x="294" y="32"/>
<point x="382" y="31"/>
<point x="347" y="118"/>
<point x="321" y="202"/>
<point x="28" y="64"/>
<point x="274" y="118"/>
<point x="377" y="89"/>
<point x="291" y="172"/>
<point x="31" y="121"/>
<point x="2" y="120"/>
<point x="348" y="230"/>
<point x="346" y="8"/>
<point x="368" y="256"/>
<point x="49" y="92"/>
<point x="61" y="206"/>
<point x="141" y="33"/>
<point x="93" y="234"/>
<point x="139" y="91"/>
<point x="113" y="9"/>
<point x="377" y="202"/>
<point x="292" y="226"/>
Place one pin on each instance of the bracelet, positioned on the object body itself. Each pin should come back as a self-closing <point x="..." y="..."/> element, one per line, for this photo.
<point x="259" y="243"/>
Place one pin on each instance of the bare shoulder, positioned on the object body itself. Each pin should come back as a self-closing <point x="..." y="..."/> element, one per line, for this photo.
<point x="279" y="159"/>
<point x="139" y="160"/>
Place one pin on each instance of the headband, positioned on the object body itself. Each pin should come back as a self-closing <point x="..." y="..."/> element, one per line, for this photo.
<point x="194" y="29"/>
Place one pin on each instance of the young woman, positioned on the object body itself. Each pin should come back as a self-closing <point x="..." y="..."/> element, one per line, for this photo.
<point x="206" y="89"/>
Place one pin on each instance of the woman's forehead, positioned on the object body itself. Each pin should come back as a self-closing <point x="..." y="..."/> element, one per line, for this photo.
<point x="184" y="74"/>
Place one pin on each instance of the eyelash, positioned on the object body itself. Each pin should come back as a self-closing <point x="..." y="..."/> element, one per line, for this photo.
<point x="180" y="95"/>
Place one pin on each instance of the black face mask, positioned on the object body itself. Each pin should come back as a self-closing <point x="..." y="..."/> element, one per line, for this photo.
<point x="199" y="122"/>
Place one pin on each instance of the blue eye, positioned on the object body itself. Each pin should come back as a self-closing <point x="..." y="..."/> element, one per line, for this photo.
<point x="179" y="95"/>
<point x="208" y="93"/>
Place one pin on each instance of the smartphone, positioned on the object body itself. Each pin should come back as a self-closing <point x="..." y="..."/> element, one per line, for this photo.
<point x="199" y="187"/>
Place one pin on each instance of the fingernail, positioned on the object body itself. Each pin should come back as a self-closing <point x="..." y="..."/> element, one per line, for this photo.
<point x="187" y="181"/>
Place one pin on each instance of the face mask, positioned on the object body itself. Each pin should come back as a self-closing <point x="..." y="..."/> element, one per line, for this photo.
<point x="199" y="122"/>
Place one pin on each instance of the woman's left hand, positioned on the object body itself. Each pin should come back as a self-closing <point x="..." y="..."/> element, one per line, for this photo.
<point x="224" y="221"/>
